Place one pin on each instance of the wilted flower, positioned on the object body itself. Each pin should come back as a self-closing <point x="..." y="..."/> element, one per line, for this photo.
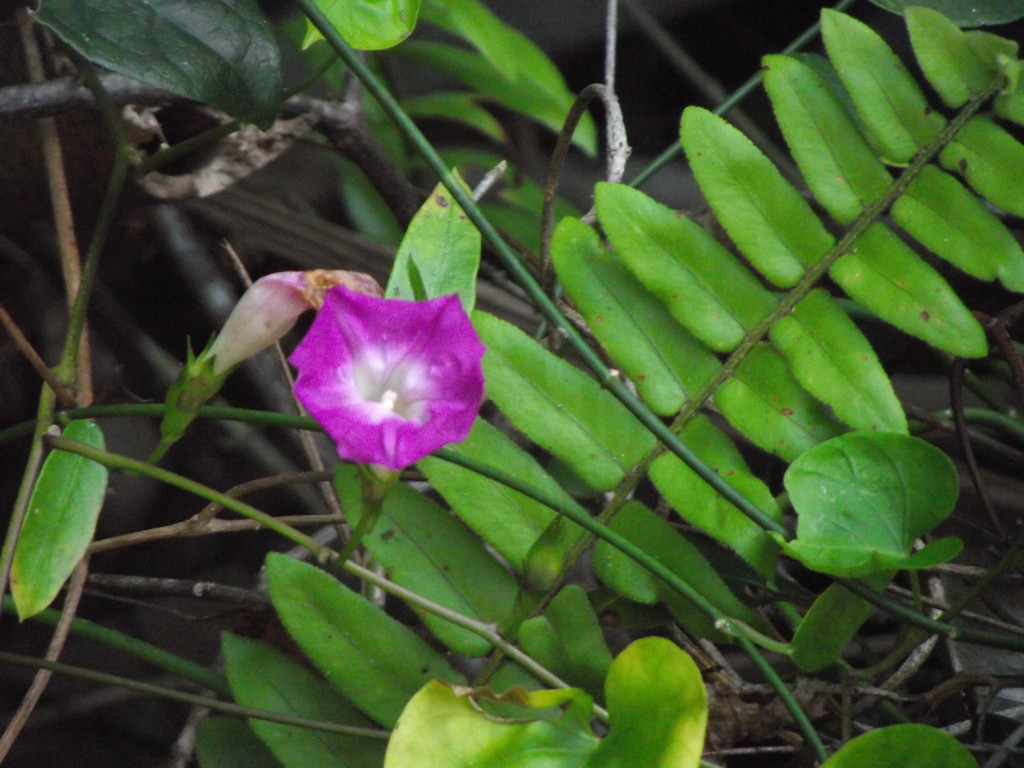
<point x="269" y="309"/>
<point x="390" y="380"/>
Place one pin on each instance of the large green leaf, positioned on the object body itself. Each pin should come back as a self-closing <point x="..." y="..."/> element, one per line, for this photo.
<point x="939" y="212"/>
<point x="664" y="361"/>
<point x="227" y="742"/>
<point x="60" y="523"/>
<point x="446" y="727"/>
<point x="834" y="362"/>
<point x="703" y="285"/>
<point x="863" y="498"/>
<point x="908" y="745"/>
<point x="884" y="274"/>
<point x="221" y="52"/>
<point x="888" y="100"/>
<point x="376" y="662"/>
<point x="506" y="519"/>
<point x="367" y="25"/>
<point x="264" y="678"/>
<point x="442" y="246"/>
<point x="970" y="14"/>
<point x="661" y="540"/>
<point x="561" y="408"/>
<point x="770" y="222"/>
<point x="658" y="709"/>
<point x="699" y="504"/>
<point x="957" y="64"/>
<point x="767" y="404"/>
<point x="839" y="166"/>
<point x="424" y="548"/>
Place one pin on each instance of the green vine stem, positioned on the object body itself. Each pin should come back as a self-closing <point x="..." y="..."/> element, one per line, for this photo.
<point x="192" y="699"/>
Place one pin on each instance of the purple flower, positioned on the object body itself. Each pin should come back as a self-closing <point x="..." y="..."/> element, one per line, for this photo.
<point x="391" y="381"/>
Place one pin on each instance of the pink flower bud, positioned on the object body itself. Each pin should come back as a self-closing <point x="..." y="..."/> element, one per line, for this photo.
<point x="269" y="309"/>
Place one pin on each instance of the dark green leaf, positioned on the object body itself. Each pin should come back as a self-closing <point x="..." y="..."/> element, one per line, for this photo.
<point x="60" y="522"/>
<point x="863" y="498"/>
<point x="227" y="742"/>
<point x="883" y="274"/>
<point x="376" y="662"/>
<point x="426" y="549"/>
<point x="834" y="362"/>
<point x="769" y="221"/>
<point x="894" y="111"/>
<point x="664" y="361"/>
<point x="943" y="216"/>
<point x="264" y="678"/>
<point x="561" y="408"/>
<point x="456" y="106"/>
<point x="972" y="14"/>
<point x="506" y="519"/>
<point x="840" y="168"/>
<point x="658" y="538"/>
<point x="221" y="52"/>
<point x="568" y="640"/>
<point x="367" y="25"/>
<point x="704" y="286"/>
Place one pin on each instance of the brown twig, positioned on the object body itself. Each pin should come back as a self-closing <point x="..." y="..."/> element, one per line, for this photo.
<point x="60" y="635"/>
<point x="64" y="395"/>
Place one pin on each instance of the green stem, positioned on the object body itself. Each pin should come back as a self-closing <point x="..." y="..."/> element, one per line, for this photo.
<point x="192" y="699"/>
<point x="152" y="654"/>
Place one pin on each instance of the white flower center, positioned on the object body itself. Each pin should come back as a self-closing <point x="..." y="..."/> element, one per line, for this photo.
<point x="391" y="388"/>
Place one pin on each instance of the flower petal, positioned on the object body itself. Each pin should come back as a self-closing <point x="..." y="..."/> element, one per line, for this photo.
<point x="390" y="380"/>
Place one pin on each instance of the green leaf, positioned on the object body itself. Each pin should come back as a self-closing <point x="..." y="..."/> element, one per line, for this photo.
<point x="863" y="498"/>
<point x="367" y="25"/>
<point x="445" y="247"/>
<point x="561" y="408"/>
<point x="373" y="660"/>
<point x="699" y="504"/>
<point x="943" y="216"/>
<point x="770" y="222"/>
<point x="766" y="403"/>
<point x="896" y="116"/>
<point x="990" y="160"/>
<point x="970" y="14"/>
<point x="221" y="52"/>
<point x="957" y="64"/>
<point x="841" y="170"/>
<point x="830" y="624"/>
<point x="264" y="678"/>
<point x="834" y="362"/>
<point x="658" y="710"/>
<point x="226" y="742"/>
<point x="883" y="274"/>
<point x="540" y="100"/>
<point x="907" y="745"/>
<point x="60" y="522"/>
<point x="664" y="361"/>
<point x="444" y="727"/>
<point x="506" y="519"/>
<point x="456" y="106"/>
<point x="568" y="640"/>
<point x="704" y="286"/>
<point x="662" y="541"/>
<point x="424" y="548"/>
